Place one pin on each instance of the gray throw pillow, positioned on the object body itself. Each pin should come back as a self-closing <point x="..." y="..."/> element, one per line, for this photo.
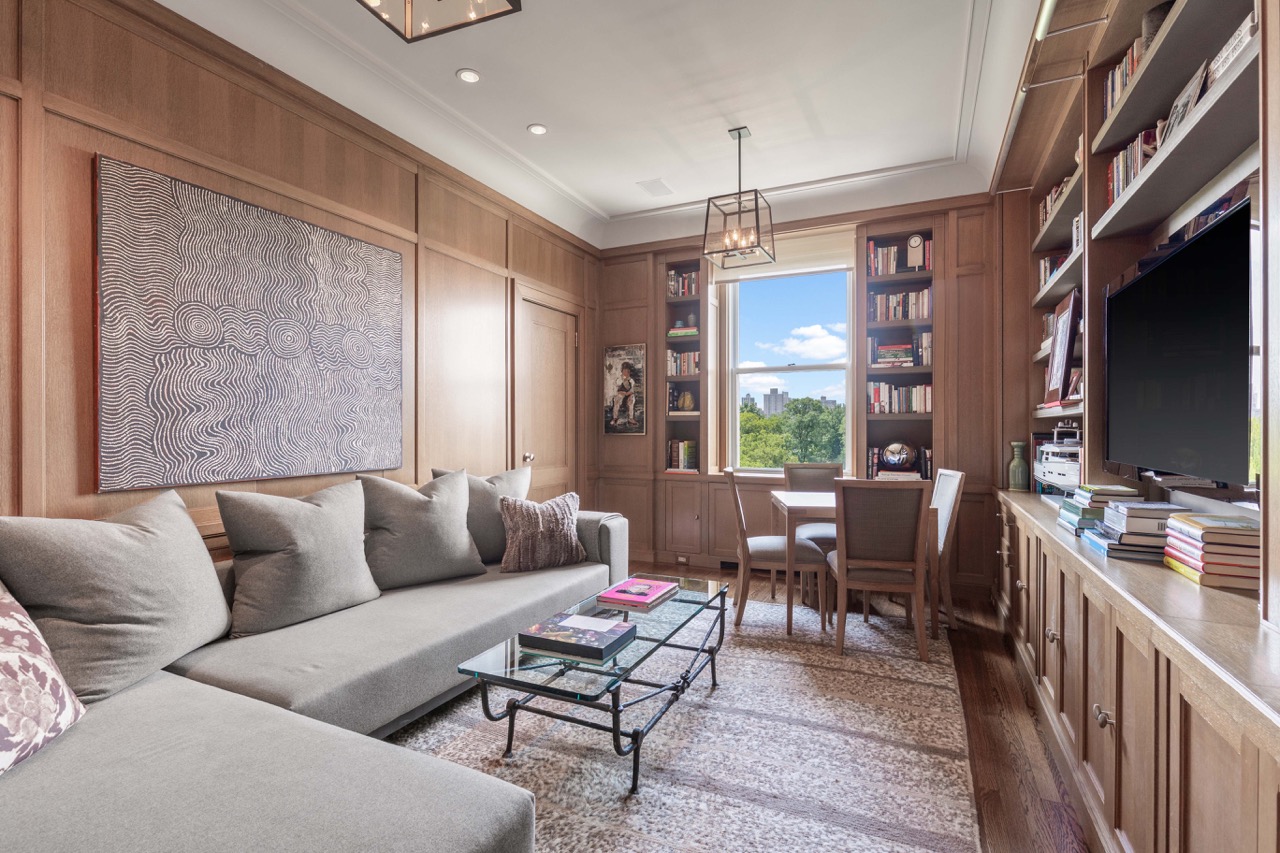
<point x="418" y="536"/>
<point x="541" y="535"/>
<point x="295" y="558"/>
<point x="117" y="599"/>
<point x="484" y="513"/>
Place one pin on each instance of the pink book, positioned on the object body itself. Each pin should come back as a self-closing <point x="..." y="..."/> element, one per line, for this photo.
<point x="637" y="592"/>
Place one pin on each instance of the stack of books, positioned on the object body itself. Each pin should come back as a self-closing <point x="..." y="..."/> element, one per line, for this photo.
<point x="1126" y="166"/>
<point x="578" y="637"/>
<point x="682" y="332"/>
<point x="638" y="595"/>
<point x="1114" y="84"/>
<point x="1132" y="530"/>
<point x="682" y="456"/>
<point x="1215" y="550"/>
<point x="1083" y="509"/>
<point x="884" y="398"/>
<point x="916" y="353"/>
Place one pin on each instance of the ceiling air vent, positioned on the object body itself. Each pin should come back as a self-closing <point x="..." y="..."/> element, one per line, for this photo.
<point x="655" y="187"/>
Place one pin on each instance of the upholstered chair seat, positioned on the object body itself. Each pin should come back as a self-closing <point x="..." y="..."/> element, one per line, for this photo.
<point x="774" y="548"/>
<point x="820" y="533"/>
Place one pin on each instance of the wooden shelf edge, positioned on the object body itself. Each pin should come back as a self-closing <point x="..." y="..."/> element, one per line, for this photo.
<point x="1065" y="280"/>
<point x="1072" y="410"/>
<point x="908" y="277"/>
<point x="1071" y="204"/>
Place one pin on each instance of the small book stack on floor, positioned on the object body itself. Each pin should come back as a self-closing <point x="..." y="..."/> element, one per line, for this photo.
<point x="1083" y="509"/>
<point x="1132" y="530"/>
<point x="1215" y="550"/>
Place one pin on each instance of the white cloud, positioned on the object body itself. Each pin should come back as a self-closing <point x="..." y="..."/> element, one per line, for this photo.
<point x="760" y="383"/>
<point x="838" y="328"/>
<point x="831" y="392"/>
<point x="812" y="343"/>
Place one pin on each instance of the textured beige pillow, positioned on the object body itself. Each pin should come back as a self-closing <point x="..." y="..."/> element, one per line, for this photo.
<point x="36" y="705"/>
<point x="541" y="535"/>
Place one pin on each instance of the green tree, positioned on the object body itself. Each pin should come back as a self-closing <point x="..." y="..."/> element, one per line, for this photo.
<point x="761" y="441"/>
<point x="814" y="432"/>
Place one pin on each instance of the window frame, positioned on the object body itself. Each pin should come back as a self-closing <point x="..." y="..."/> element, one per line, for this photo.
<point x="733" y="371"/>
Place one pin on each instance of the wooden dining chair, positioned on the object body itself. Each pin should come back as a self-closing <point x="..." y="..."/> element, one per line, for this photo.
<point x="948" y="487"/>
<point x="883" y="545"/>
<point x="770" y="552"/>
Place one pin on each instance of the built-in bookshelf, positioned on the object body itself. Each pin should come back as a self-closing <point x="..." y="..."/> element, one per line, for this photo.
<point x="895" y="310"/>
<point x="687" y="335"/>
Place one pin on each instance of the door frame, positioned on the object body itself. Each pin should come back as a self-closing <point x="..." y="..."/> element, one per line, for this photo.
<point x="523" y="289"/>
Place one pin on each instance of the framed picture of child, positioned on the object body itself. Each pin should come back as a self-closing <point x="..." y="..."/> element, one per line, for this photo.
<point x="624" y="392"/>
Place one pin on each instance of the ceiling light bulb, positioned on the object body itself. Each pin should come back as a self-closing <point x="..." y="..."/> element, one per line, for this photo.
<point x="537" y="129"/>
<point x="468" y="75"/>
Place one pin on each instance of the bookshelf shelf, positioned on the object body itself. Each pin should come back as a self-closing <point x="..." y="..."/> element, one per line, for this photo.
<point x="690" y="377"/>
<point x="873" y="372"/>
<point x="1191" y="32"/>
<point x="1056" y="233"/>
<point x="880" y="325"/>
<point x="684" y="339"/>
<point x="1070" y="410"/>
<point x="1222" y="127"/>
<point x="1065" y="280"/>
<point x="688" y="445"/>
<point x="1042" y="354"/>
<point x="684" y="415"/>
<point x="921" y="277"/>
<point x="902" y="416"/>
<point x="683" y="300"/>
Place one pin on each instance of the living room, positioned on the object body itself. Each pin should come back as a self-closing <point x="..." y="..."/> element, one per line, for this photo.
<point x="514" y="424"/>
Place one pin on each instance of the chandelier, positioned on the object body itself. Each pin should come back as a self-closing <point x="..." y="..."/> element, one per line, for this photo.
<point x="413" y="20"/>
<point x="739" y="229"/>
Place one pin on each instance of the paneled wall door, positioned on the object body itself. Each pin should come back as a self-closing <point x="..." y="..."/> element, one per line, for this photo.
<point x="546" y="397"/>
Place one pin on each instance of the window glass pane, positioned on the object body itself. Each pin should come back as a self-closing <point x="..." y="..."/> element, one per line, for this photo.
<point x="793" y="320"/>
<point x="791" y="416"/>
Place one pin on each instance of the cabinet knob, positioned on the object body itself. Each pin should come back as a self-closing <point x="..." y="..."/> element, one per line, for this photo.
<point x="1104" y="719"/>
<point x="1051" y="635"/>
<point x="1021" y="585"/>
<point x="529" y="457"/>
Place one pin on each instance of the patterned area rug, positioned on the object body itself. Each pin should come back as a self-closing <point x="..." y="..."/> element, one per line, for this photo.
<point x="796" y="750"/>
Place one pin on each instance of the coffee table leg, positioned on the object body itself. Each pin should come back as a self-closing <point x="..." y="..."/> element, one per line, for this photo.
<point x="512" y="706"/>
<point x="637" y="737"/>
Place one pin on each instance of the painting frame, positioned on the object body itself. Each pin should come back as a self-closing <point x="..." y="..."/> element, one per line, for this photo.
<point x="1066" y="320"/>
<point x="625" y="391"/>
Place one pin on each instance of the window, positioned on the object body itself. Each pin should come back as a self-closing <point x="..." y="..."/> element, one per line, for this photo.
<point x="789" y="351"/>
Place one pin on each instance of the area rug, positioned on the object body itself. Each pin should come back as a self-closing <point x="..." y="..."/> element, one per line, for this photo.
<point x="795" y="750"/>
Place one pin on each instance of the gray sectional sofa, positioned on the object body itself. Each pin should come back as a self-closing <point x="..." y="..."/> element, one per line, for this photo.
<point x="260" y="743"/>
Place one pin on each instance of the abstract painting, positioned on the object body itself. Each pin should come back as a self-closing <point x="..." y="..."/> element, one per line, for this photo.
<point x="624" y="397"/>
<point x="236" y="343"/>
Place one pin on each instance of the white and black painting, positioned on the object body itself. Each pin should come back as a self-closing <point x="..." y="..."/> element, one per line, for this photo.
<point x="235" y="343"/>
<point x="624" y="396"/>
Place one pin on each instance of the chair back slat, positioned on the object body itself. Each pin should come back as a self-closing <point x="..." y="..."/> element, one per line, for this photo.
<point x="811" y="476"/>
<point x="738" y="513"/>
<point x="883" y="524"/>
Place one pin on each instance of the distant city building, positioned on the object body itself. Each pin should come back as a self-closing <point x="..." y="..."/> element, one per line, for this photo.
<point x="748" y="400"/>
<point x="830" y="404"/>
<point x="775" y="402"/>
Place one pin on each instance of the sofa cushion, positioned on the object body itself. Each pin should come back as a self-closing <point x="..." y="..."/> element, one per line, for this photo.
<point x="171" y="764"/>
<point x="295" y="558"/>
<point x="541" y="535"/>
<point x="118" y="599"/>
<point x="484" y="510"/>
<point x="418" y="536"/>
<point x="36" y="705"/>
<point x="366" y="666"/>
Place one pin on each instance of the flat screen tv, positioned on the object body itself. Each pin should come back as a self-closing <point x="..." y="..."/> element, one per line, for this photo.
<point x="1178" y="359"/>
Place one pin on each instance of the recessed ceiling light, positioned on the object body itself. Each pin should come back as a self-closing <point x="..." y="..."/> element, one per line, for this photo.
<point x="537" y="129"/>
<point x="468" y="75"/>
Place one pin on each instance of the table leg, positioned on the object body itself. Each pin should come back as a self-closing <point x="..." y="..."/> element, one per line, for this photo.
<point x="512" y="705"/>
<point x="791" y="567"/>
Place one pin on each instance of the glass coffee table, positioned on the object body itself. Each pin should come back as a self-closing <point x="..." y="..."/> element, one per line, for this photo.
<point x="599" y="687"/>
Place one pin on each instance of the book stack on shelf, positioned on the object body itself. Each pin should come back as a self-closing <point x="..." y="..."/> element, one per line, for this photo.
<point x="918" y="352"/>
<point x="1050" y="202"/>
<point x="578" y="637"/>
<point x="683" y="330"/>
<point x="1215" y="550"/>
<point x="884" y="260"/>
<point x="637" y="595"/>
<point x="885" y="398"/>
<point x="912" y="305"/>
<point x="923" y="469"/>
<point x="683" y="363"/>
<point x="682" y="456"/>
<point x="1118" y="79"/>
<point x="682" y="283"/>
<point x="1049" y="265"/>
<point x="1083" y="509"/>
<point x="1129" y="163"/>
<point x="1132" y="530"/>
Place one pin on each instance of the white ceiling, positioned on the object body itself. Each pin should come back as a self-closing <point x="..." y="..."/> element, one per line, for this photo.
<point x="851" y="103"/>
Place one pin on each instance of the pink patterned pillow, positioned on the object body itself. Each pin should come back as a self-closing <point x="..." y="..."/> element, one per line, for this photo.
<point x="36" y="705"/>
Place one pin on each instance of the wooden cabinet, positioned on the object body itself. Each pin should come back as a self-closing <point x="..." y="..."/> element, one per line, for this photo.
<point x="1050" y="605"/>
<point x="684" y="517"/>
<point x="1132" y="720"/>
<point x="1027" y="620"/>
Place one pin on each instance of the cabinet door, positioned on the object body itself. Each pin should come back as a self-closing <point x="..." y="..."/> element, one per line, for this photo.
<point x="1070" y="652"/>
<point x="1132" y="719"/>
<point x="1213" y="773"/>
<point x="1096" y="695"/>
<point x="1269" y="805"/>
<point x="1005" y="590"/>
<point x="1028" y="620"/>
<point x="684" y="517"/>
<point x="1050" y="584"/>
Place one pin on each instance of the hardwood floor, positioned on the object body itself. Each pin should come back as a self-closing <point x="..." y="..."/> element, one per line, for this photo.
<point x="1022" y="803"/>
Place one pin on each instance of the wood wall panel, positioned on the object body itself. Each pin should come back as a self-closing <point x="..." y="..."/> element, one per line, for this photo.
<point x="626" y="282"/>
<point x="1013" y="395"/>
<point x="547" y="262"/>
<point x="8" y="302"/>
<point x="464" y="355"/>
<point x="9" y="38"/>
<point x="70" y="391"/>
<point x="454" y="220"/>
<point x="116" y="71"/>
<point x="634" y="499"/>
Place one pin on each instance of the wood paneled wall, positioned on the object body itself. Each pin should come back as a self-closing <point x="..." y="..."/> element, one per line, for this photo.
<point x="132" y="80"/>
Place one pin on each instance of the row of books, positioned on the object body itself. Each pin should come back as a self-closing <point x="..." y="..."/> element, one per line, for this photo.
<point x="1050" y="201"/>
<point x="1117" y="80"/>
<point x="682" y="284"/>
<point x="597" y="637"/>
<point x="683" y="363"/>
<point x="1129" y="163"/>
<point x="682" y="332"/>
<point x="922" y="470"/>
<point x="884" y="260"/>
<point x="1215" y="550"/>
<point x="916" y="353"/>
<point x="1050" y="265"/>
<point x="884" y="398"/>
<point x="682" y="455"/>
<point x="912" y="305"/>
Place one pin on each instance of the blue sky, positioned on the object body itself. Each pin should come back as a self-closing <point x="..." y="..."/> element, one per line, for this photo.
<point x="794" y="320"/>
